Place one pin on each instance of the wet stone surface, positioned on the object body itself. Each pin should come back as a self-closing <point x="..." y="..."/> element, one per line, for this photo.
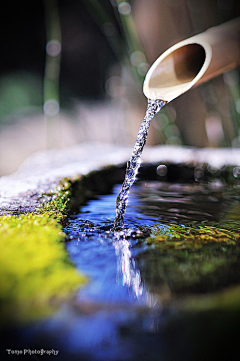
<point x="29" y="201"/>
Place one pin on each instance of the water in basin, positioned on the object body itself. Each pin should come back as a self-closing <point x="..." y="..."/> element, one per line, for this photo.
<point x="179" y="242"/>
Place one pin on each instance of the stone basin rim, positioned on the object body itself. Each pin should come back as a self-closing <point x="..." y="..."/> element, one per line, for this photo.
<point x="42" y="171"/>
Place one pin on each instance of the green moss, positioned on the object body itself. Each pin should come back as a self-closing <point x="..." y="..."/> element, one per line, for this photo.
<point x="191" y="258"/>
<point x="192" y="236"/>
<point x="35" y="272"/>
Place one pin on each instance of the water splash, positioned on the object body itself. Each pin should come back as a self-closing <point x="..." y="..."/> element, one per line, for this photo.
<point x="153" y="107"/>
<point x="108" y="259"/>
<point x="126" y="267"/>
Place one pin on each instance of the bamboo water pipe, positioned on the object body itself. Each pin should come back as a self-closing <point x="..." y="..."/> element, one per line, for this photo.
<point x="194" y="61"/>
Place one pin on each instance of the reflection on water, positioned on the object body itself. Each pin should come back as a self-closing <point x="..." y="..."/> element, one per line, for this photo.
<point x="127" y="310"/>
<point x="178" y="202"/>
<point x="121" y="265"/>
<point x="107" y="257"/>
<point x="126" y="266"/>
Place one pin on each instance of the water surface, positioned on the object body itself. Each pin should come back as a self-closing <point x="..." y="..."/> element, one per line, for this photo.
<point x="121" y="314"/>
<point x="129" y="310"/>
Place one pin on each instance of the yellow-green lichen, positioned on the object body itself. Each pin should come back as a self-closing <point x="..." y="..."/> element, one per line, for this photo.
<point x="35" y="272"/>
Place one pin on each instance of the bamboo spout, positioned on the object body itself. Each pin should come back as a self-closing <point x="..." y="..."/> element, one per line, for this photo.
<point x="194" y="61"/>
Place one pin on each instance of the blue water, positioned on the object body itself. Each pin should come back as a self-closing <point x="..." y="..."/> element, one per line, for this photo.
<point x="116" y="317"/>
<point x="108" y="257"/>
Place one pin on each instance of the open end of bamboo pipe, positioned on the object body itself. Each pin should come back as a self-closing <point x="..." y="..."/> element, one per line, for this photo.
<point x="176" y="71"/>
<point x="193" y="61"/>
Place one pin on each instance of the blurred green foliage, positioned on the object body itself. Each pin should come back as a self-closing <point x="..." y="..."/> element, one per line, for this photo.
<point x="20" y="93"/>
<point x="22" y="89"/>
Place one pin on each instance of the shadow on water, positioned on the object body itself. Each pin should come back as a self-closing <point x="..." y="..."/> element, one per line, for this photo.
<point x="159" y="288"/>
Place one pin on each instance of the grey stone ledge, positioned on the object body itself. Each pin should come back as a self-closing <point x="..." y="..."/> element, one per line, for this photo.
<point x="42" y="171"/>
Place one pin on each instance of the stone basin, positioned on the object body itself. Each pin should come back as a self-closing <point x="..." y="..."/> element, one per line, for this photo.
<point x="36" y="185"/>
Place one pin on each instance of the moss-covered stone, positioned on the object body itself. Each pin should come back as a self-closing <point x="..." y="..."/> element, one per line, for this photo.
<point x="35" y="271"/>
<point x="188" y="259"/>
<point x="192" y="236"/>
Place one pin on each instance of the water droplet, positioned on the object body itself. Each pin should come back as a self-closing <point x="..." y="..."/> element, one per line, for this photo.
<point x="236" y="172"/>
<point x="162" y="170"/>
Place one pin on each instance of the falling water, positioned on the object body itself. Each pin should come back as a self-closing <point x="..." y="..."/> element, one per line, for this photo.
<point x="153" y="107"/>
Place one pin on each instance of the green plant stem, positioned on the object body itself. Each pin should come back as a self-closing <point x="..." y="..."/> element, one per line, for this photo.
<point x="131" y="36"/>
<point x="52" y="73"/>
<point x="130" y="31"/>
<point x="102" y="17"/>
<point x="52" y="63"/>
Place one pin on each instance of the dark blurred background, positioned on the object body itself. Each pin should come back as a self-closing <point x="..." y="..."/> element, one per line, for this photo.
<point x="88" y="84"/>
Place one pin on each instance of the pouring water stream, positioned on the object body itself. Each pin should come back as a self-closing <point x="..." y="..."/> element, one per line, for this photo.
<point x="153" y="107"/>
